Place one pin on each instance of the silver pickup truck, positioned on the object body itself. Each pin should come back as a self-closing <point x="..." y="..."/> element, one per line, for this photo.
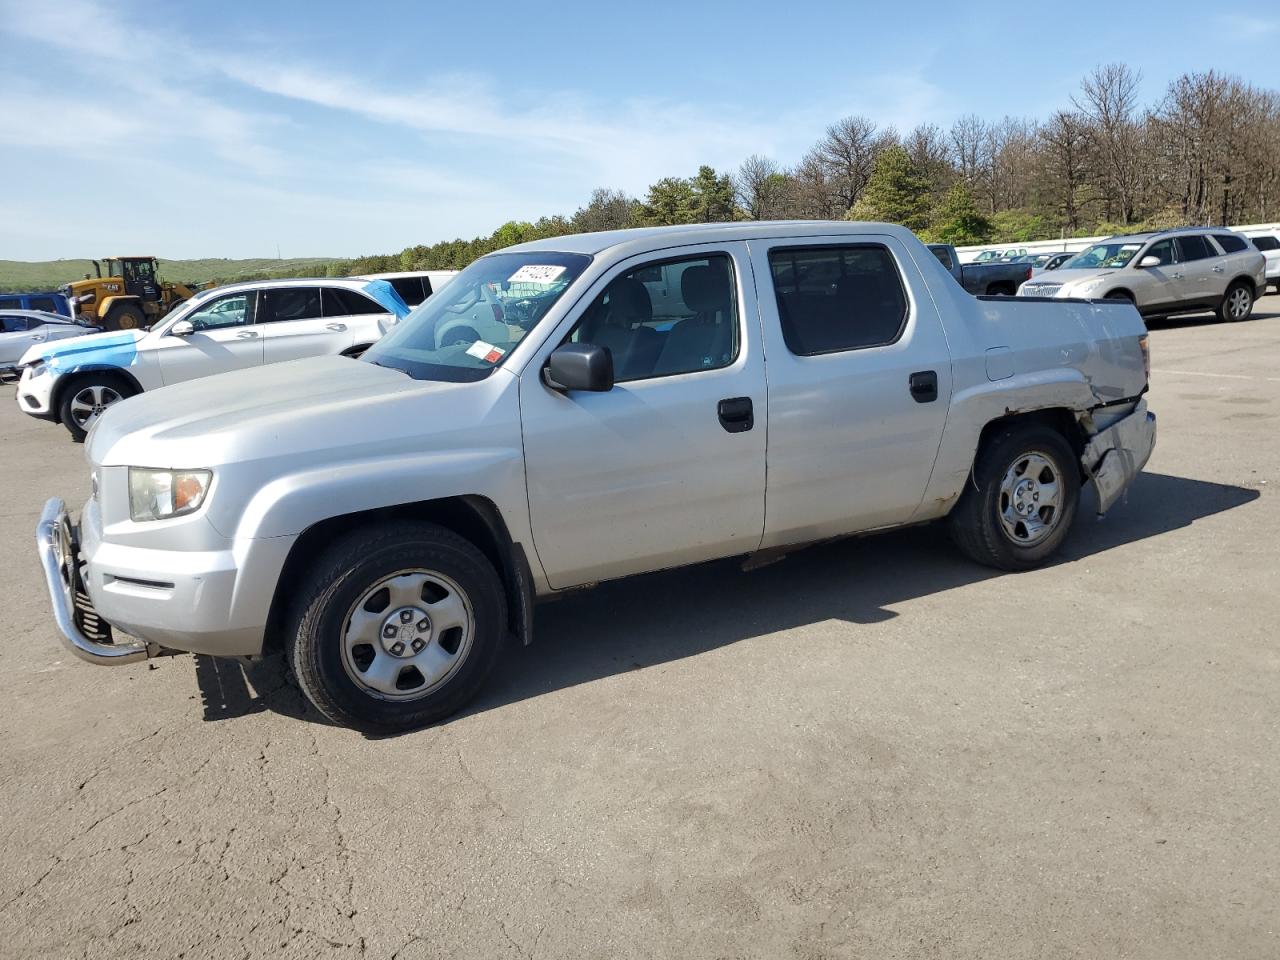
<point x="580" y="409"/>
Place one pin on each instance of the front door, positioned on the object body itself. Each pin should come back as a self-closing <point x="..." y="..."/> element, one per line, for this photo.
<point x="666" y="468"/>
<point x="859" y="384"/>
<point x="225" y="337"/>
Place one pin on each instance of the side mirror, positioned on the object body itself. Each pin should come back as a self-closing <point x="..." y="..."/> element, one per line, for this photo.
<point x="1147" y="263"/>
<point x="580" y="366"/>
<point x="183" y="328"/>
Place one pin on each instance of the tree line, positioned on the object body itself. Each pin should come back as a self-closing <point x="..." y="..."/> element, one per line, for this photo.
<point x="1207" y="152"/>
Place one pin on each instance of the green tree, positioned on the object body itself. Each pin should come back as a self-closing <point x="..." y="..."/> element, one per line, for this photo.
<point x="712" y="197"/>
<point x="896" y="193"/>
<point x="957" y="220"/>
<point x="669" y="201"/>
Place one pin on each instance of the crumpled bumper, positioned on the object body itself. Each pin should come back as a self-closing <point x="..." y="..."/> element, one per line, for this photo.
<point x="1116" y="455"/>
<point x="83" y="632"/>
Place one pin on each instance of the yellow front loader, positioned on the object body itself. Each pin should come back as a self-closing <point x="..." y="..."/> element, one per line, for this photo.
<point x="127" y="293"/>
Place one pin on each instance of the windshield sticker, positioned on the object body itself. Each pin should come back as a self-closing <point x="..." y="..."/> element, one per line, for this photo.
<point x="485" y="351"/>
<point x="535" y="273"/>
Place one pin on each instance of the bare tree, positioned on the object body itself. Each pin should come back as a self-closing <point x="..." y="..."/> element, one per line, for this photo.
<point x="1064" y="155"/>
<point x="763" y="189"/>
<point x="848" y="153"/>
<point x="929" y="150"/>
<point x="1109" y="99"/>
<point x="968" y="137"/>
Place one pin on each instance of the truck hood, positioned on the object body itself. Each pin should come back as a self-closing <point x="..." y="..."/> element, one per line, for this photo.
<point x="115" y="349"/>
<point x="274" y="411"/>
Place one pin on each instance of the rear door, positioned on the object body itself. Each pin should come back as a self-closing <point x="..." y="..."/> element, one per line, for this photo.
<point x="1203" y="270"/>
<point x="294" y="325"/>
<point x="226" y="337"/>
<point x="668" y="467"/>
<point x="859" y="384"/>
<point x="350" y="311"/>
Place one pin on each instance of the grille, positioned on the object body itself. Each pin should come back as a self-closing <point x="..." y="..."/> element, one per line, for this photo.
<point x="1040" y="289"/>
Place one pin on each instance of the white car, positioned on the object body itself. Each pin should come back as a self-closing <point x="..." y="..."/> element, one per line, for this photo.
<point x="414" y="286"/>
<point x="1268" y="243"/>
<point x="227" y="328"/>
<point x="20" y="330"/>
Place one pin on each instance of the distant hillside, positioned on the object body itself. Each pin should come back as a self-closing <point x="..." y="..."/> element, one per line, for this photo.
<point x="51" y="274"/>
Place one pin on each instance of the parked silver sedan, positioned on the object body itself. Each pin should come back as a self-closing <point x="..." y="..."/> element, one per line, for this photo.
<point x="21" y="329"/>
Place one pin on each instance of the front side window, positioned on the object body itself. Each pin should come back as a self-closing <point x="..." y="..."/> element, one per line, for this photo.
<point x="660" y="319"/>
<point x="283" y="304"/>
<point x="1266" y="243"/>
<point x="1162" y="251"/>
<point x="1194" y="248"/>
<point x="1231" y="242"/>
<point x="13" y="324"/>
<point x="232" y="310"/>
<point x="341" y="302"/>
<point x="832" y="299"/>
<point x="469" y="327"/>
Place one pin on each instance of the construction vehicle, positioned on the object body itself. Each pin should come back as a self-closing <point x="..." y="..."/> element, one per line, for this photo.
<point x="126" y="294"/>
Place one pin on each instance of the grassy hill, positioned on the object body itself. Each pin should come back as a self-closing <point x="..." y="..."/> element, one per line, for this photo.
<point x="51" y="274"/>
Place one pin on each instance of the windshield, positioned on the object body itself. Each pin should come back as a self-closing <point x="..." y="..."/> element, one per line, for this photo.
<point x="1111" y="255"/>
<point x="466" y="329"/>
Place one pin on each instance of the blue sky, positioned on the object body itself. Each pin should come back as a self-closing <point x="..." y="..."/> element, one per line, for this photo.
<point x="327" y="129"/>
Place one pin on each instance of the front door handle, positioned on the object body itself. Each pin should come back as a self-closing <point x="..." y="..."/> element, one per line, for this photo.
<point x="247" y="335"/>
<point x="924" y="386"/>
<point x="1177" y="276"/>
<point x="336" y="327"/>
<point x="1217" y="269"/>
<point x="736" y="414"/>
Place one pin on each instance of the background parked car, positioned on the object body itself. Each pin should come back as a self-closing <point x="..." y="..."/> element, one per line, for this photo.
<point x="47" y="301"/>
<point x="20" y="330"/>
<point x="1268" y="244"/>
<point x="414" y="287"/>
<point x="992" y="278"/>
<point x="228" y="328"/>
<point x="1164" y="273"/>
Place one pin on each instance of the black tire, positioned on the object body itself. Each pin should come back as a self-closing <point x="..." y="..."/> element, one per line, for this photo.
<point x="976" y="524"/>
<point x="104" y="387"/>
<point x="1229" y="311"/>
<point x="125" y="316"/>
<point x="1124" y="295"/>
<point x="349" y="569"/>
<point x="999" y="290"/>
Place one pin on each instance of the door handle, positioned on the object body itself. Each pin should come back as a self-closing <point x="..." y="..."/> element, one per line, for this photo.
<point x="924" y="386"/>
<point x="336" y="327"/>
<point x="1177" y="276"/>
<point x="38" y="338"/>
<point x="1217" y="269"/>
<point x="736" y="414"/>
<point x="247" y="335"/>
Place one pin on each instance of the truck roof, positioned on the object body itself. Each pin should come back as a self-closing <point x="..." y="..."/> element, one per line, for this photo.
<point x="646" y="238"/>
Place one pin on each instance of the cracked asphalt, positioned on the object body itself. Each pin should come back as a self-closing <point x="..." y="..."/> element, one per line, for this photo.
<point x="872" y="748"/>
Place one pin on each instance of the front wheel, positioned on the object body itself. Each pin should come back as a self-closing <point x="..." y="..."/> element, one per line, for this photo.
<point x="86" y="399"/>
<point x="396" y="627"/>
<point x="1021" y="499"/>
<point x="1237" y="304"/>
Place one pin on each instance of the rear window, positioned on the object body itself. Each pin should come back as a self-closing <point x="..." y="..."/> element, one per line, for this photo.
<point x="1231" y="243"/>
<point x="832" y="299"/>
<point x="1266" y="243"/>
<point x="340" y="302"/>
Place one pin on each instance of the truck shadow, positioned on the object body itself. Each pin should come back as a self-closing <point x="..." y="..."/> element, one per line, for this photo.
<point x="660" y="617"/>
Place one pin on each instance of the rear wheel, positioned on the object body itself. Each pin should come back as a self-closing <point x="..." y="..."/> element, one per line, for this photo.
<point x="125" y="316"/>
<point x="1237" y="305"/>
<point x="396" y="627"/>
<point x="1021" y="499"/>
<point x="87" y="398"/>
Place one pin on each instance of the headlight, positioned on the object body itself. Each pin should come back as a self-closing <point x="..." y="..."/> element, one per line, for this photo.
<point x="37" y="369"/>
<point x="1086" y="287"/>
<point x="159" y="494"/>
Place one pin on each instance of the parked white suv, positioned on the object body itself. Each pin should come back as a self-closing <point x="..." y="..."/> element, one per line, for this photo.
<point x="1165" y="273"/>
<point x="227" y="328"/>
<point x="1268" y="244"/>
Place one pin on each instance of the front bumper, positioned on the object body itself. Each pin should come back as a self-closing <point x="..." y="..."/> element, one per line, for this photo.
<point x="215" y="602"/>
<point x="1116" y="455"/>
<point x="35" y="394"/>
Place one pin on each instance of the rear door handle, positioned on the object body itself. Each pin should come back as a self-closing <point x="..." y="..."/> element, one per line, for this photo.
<point x="336" y="327"/>
<point x="736" y="414"/>
<point x="1217" y="269"/>
<point x="924" y="386"/>
<point x="247" y="335"/>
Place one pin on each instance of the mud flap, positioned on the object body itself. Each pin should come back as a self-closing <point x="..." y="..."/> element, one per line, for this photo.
<point x="1114" y="457"/>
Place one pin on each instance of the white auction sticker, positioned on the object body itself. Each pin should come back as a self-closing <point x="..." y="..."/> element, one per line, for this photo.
<point x="535" y="273"/>
<point x="485" y="351"/>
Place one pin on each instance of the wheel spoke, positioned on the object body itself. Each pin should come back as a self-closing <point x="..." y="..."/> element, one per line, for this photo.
<point x="434" y="662"/>
<point x="1049" y="493"/>
<point x="383" y="673"/>
<point x="79" y="406"/>
<point x="406" y="590"/>
<point x="447" y="613"/>
<point x="364" y="628"/>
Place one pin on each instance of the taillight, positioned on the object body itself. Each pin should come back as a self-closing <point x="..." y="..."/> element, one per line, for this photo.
<point x="1029" y="272"/>
<point x="1145" y="345"/>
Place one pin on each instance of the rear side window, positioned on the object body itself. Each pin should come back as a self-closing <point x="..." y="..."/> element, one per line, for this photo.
<point x="410" y="289"/>
<point x="43" y="303"/>
<point x="283" y="304"/>
<point x="1266" y="243"/>
<point x="340" y="302"/>
<point x="1230" y="242"/>
<point x="10" y="303"/>
<point x="832" y="299"/>
<point x="944" y="257"/>
<point x="1194" y="248"/>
